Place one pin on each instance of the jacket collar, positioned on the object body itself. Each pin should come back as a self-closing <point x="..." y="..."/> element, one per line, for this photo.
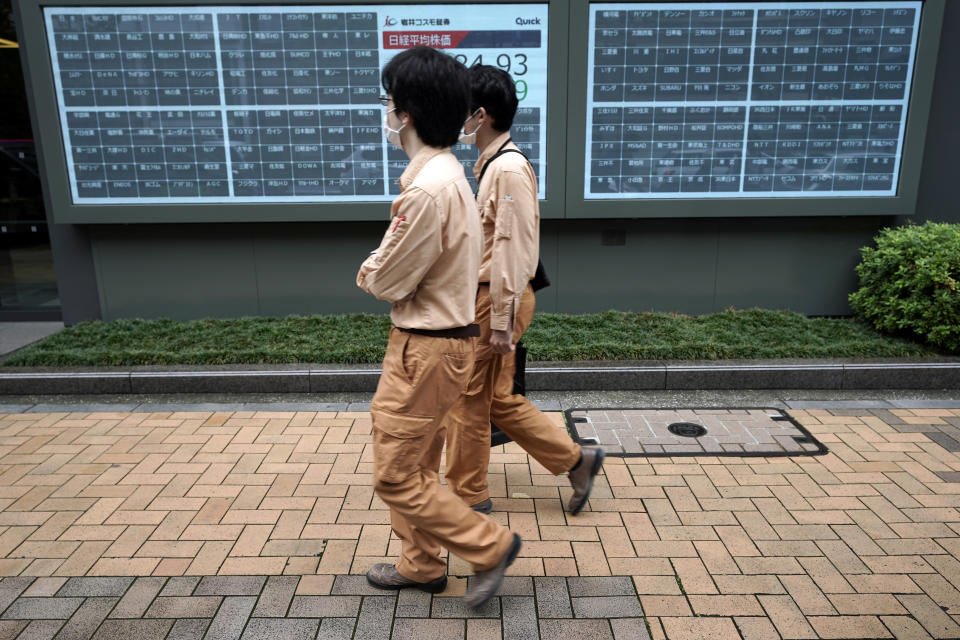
<point x="417" y="163"/>
<point x="488" y="152"/>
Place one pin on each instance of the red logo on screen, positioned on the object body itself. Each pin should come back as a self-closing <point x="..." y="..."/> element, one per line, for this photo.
<point x="435" y="39"/>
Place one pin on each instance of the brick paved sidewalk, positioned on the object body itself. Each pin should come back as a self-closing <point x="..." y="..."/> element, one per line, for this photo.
<point x="229" y="525"/>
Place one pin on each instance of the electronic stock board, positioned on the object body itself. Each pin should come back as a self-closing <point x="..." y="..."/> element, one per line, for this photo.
<point x="747" y="100"/>
<point x="662" y="108"/>
<point x="210" y="104"/>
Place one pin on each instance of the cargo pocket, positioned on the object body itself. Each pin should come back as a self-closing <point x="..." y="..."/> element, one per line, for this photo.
<point x="505" y="213"/>
<point x="478" y="377"/>
<point x="459" y="369"/>
<point x="409" y="362"/>
<point x="398" y="445"/>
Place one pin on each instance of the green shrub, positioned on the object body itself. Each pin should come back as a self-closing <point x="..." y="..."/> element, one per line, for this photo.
<point x="908" y="283"/>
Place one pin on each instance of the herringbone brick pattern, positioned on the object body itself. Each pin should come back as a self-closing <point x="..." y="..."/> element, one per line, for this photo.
<point x="261" y="524"/>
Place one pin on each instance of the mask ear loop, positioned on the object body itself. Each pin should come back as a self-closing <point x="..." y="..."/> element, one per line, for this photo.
<point x="473" y="115"/>
<point x="402" y="123"/>
<point x="393" y="135"/>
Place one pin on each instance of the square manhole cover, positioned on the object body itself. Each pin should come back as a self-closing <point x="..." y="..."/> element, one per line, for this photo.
<point x="693" y="432"/>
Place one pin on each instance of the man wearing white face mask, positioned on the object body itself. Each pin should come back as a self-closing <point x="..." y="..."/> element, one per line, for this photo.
<point x="426" y="265"/>
<point x="507" y="198"/>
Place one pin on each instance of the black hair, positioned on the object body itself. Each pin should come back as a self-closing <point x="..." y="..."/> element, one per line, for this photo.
<point x="494" y="90"/>
<point x="433" y="88"/>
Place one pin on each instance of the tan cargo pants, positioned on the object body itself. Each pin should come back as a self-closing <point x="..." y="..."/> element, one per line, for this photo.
<point x="489" y="397"/>
<point x="422" y="378"/>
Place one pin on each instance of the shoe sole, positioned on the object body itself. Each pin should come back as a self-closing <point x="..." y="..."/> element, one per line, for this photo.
<point x="597" y="464"/>
<point x="512" y="554"/>
<point x="486" y="509"/>
<point x="429" y="587"/>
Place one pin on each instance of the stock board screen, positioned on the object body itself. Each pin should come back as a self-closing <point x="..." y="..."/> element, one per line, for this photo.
<point x="264" y="103"/>
<point x="721" y="100"/>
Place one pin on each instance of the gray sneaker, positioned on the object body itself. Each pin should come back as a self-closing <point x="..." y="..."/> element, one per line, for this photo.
<point x="483" y="507"/>
<point x="581" y="478"/>
<point x="485" y="584"/>
<point x="386" y="576"/>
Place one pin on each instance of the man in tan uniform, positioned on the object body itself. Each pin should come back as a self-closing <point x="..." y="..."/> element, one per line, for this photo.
<point x="507" y="197"/>
<point x="426" y="265"/>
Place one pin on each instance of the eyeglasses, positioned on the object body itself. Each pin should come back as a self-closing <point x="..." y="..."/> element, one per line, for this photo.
<point x="384" y="100"/>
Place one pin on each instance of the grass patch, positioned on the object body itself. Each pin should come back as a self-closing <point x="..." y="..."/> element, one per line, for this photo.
<point x="361" y="338"/>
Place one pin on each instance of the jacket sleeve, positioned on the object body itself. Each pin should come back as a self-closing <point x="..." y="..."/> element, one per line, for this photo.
<point x="410" y="246"/>
<point x="515" y="245"/>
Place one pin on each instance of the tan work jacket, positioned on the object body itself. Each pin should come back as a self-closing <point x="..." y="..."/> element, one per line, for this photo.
<point x="510" y="212"/>
<point x="431" y="248"/>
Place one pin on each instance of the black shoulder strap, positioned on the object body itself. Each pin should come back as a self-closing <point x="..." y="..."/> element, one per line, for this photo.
<point x="540" y="279"/>
<point x="499" y="153"/>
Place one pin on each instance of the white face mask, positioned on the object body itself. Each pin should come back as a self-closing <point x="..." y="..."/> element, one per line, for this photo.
<point x="470" y="138"/>
<point x="393" y="135"/>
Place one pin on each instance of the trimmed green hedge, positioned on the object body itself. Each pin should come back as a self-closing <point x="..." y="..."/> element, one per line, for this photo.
<point x="612" y="335"/>
<point x="908" y="283"/>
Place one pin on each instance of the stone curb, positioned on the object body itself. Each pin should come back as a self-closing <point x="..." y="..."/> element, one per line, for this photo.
<point x="599" y="376"/>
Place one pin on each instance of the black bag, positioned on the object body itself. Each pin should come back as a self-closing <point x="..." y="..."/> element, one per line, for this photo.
<point x="540" y="279"/>
<point x="520" y="372"/>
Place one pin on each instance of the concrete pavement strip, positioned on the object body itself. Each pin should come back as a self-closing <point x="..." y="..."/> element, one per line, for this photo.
<point x="939" y="373"/>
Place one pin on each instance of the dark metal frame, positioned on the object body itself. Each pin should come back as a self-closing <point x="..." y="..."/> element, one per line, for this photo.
<point x="32" y="315"/>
